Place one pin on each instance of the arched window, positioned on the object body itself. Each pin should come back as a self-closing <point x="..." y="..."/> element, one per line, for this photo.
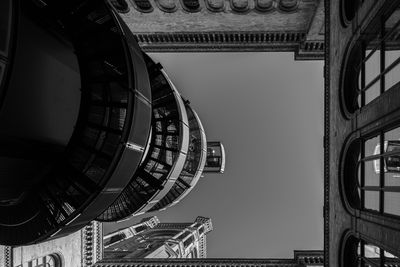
<point x="373" y="66"/>
<point x="371" y="172"/>
<point x="358" y="252"/>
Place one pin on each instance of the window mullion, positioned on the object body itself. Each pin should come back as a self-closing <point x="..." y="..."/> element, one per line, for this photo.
<point x="362" y="178"/>
<point x="382" y="56"/>
<point x="363" y="48"/>
<point x="362" y="253"/>
<point x="382" y="173"/>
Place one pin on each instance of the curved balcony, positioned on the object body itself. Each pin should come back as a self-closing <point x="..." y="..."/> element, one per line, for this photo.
<point x="194" y="164"/>
<point x="165" y="155"/>
<point x="50" y="190"/>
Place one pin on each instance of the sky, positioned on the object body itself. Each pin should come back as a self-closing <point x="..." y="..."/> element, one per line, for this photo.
<point x="267" y="109"/>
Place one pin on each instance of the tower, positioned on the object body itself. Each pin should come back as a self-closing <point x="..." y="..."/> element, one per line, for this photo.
<point x="164" y="240"/>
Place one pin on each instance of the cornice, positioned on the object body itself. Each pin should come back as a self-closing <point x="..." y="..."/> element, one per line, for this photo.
<point x="233" y="42"/>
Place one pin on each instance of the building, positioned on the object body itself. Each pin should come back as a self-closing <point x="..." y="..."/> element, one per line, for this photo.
<point x="152" y="239"/>
<point x="218" y="25"/>
<point x="80" y="249"/>
<point x="115" y="139"/>
<point x="362" y="119"/>
<point x="301" y="259"/>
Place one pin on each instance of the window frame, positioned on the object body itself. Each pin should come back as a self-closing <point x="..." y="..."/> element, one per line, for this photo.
<point x="356" y="83"/>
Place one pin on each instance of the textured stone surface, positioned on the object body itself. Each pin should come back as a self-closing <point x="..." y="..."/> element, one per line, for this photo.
<point x="68" y="247"/>
<point x="231" y="25"/>
<point x="227" y="20"/>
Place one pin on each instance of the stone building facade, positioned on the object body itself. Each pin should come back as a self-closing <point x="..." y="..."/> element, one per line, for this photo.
<point x="80" y="249"/>
<point x="227" y="25"/>
<point x="362" y="119"/>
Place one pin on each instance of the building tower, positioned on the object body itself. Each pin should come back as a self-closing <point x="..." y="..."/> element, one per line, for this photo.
<point x="115" y="139"/>
<point x="161" y="240"/>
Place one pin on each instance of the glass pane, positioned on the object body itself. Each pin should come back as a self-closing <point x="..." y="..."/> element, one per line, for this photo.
<point x="393" y="76"/>
<point x="392" y="144"/>
<point x="392" y="49"/>
<point x="371" y="173"/>
<point x="390" y="259"/>
<point x="392" y="20"/>
<point x="392" y="179"/>
<point x="371" y="200"/>
<point x="372" y="65"/>
<point x="371" y="146"/>
<point x="371" y="251"/>
<point x="372" y="92"/>
<point x="392" y="203"/>
<point x="393" y="134"/>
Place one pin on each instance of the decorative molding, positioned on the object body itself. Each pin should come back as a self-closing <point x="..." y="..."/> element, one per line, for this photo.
<point x="233" y="41"/>
<point x="220" y="38"/>
<point x="92" y="244"/>
<point x="167" y="6"/>
<point x="309" y="257"/>
<point x="193" y="6"/>
<point x="288" y="5"/>
<point x="143" y="6"/>
<point x="6" y="256"/>
<point x="215" y="5"/>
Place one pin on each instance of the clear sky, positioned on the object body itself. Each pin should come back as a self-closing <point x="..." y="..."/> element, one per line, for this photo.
<point x="267" y="109"/>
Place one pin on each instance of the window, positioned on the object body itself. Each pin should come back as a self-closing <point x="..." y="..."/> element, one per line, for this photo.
<point x="188" y="241"/>
<point x="357" y="252"/>
<point x="375" y="161"/>
<point x="373" y="64"/>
